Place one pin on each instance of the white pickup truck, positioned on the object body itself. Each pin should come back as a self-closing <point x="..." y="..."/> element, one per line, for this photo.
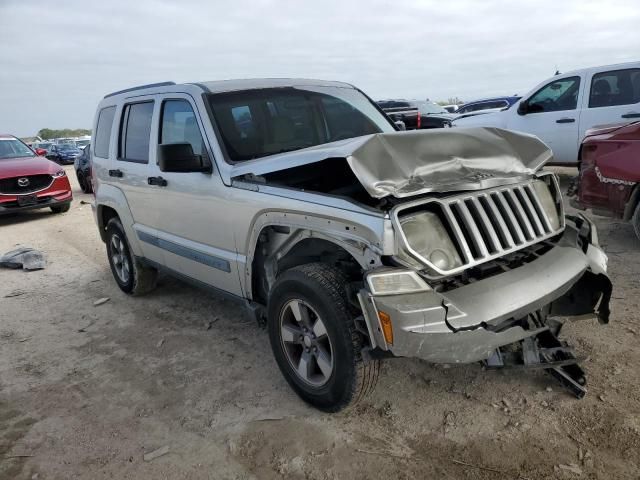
<point x="561" y="109"/>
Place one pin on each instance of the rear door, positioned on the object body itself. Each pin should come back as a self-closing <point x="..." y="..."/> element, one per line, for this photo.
<point x="554" y="117"/>
<point x="614" y="97"/>
<point x="195" y="222"/>
<point x="132" y="169"/>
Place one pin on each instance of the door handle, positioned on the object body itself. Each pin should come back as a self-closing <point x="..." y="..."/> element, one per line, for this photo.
<point x="631" y="115"/>
<point x="115" y="173"/>
<point x="159" y="181"/>
<point x="565" y="120"/>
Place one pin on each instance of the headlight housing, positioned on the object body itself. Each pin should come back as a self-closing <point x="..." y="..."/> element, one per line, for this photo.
<point x="427" y="236"/>
<point x="59" y="173"/>
<point x="395" y="282"/>
<point x="548" y="203"/>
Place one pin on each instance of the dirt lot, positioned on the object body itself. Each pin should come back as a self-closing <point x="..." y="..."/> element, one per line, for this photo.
<point x="86" y="391"/>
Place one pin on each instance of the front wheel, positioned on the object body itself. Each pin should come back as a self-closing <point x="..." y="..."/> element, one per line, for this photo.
<point x="314" y="338"/>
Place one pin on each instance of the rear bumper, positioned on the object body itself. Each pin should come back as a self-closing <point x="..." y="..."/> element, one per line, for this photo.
<point x="468" y="323"/>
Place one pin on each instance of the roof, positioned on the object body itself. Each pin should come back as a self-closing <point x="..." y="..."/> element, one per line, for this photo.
<point x="218" y="86"/>
<point x="253" y="83"/>
<point x="6" y="135"/>
<point x="615" y="66"/>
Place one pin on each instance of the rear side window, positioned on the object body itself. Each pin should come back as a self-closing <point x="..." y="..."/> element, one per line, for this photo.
<point x="618" y="87"/>
<point x="136" y="132"/>
<point x="179" y="125"/>
<point x="103" y="132"/>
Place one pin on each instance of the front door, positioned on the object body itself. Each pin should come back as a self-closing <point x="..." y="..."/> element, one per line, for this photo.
<point x="194" y="224"/>
<point x="553" y="116"/>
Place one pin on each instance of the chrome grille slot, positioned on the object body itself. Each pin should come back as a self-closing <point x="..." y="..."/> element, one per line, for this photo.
<point x="488" y="224"/>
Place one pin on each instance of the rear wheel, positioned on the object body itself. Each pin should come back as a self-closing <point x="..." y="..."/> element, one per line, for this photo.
<point x="61" y="208"/>
<point x="314" y="338"/>
<point x="635" y="220"/>
<point x="129" y="273"/>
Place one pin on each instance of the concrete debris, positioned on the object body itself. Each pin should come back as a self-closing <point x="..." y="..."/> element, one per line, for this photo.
<point x="572" y="467"/>
<point x="159" y="344"/>
<point x="101" y="301"/>
<point x="15" y="293"/>
<point x="210" y="323"/>
<point x="156" y="453"/>
<point x="507" y="403"/>
<point x="549" y="389"/>
<point x="26" y="258"/>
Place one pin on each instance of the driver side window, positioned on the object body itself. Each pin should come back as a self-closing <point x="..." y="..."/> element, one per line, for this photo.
<point x="556" y="96"/>
<point x="179" y="125"/>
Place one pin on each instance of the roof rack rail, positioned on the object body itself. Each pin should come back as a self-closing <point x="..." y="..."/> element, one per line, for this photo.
<point x="140" y="87"/>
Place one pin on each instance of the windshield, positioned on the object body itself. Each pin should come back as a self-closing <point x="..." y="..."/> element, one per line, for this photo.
<point x="12" y="148"/>
<point x="82" y="143"/>
<point x="258" y="123"/>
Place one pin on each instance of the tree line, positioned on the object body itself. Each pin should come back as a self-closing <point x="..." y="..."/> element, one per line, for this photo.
<point x="48" y="133"/>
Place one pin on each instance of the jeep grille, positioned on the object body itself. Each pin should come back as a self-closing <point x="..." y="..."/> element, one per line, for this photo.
<point x="488" y="224"/>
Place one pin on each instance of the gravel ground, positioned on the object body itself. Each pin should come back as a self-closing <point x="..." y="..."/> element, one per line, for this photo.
<point x="87" y="391"/>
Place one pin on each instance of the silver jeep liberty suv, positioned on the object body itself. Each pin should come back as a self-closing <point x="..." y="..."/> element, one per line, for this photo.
<point x="350" y="240"/>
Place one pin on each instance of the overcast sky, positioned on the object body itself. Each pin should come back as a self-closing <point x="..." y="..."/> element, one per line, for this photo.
<point x="59" y="58"/>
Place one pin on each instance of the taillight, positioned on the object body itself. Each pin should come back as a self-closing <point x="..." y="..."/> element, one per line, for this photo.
<point x="419" y="121"/>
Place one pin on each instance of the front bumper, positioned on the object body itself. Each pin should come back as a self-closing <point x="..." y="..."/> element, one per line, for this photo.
<point x="469" y="323"/>
<point x="58" y="193"/>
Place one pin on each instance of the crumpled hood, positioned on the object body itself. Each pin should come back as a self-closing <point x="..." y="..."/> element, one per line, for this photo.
<point x="409" y="163"/>
<point x="445" y="160"/>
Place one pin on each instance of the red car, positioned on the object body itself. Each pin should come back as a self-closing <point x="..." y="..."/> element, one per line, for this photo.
<point x="28" y="181"/>
<point x="609" y="178"/>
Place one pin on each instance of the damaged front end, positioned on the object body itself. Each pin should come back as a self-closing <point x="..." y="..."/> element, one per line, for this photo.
<point x="506" y="314"/>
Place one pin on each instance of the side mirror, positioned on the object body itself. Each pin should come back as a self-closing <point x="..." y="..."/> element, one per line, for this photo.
<point x="179" y="157"/>
<point x="523" y="108"/>
<point x="41" y="152"/>
<point x="400" y="125"/>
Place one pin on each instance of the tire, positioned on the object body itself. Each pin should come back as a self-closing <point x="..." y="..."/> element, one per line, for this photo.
<point x="314" y="297"/>
<point x="61" y="208"/>
<point x="635" y="221"/>
<point x="130" y="274"/>
<point x="82" y="181"/>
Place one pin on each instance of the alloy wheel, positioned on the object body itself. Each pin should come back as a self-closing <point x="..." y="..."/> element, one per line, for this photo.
<point x="306" y="343"/>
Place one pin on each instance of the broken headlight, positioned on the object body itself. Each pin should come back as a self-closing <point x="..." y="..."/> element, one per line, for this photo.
<point x="427" y="236"/>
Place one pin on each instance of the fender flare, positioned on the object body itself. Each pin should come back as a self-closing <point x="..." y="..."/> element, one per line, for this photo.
<point x="359" y="241"/>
